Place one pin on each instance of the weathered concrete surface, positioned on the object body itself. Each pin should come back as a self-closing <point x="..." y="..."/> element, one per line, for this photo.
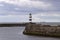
<point x="45" y="30"/>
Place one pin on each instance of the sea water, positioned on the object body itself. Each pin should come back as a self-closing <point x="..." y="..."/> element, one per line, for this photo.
<point x="16" y="33"/>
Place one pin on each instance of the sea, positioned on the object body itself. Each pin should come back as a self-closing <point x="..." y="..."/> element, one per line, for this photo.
<point x="16" y="33"/>
<point x="49" y="23"/>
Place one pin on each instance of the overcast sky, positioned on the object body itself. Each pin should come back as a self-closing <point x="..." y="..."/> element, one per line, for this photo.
<point x="18" y="10"/>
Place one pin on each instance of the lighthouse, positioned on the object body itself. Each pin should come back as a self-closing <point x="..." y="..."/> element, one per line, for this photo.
<point x="30" y="18"/>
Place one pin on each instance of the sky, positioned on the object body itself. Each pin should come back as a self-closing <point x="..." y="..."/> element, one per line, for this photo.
<point x="18" y="10"/>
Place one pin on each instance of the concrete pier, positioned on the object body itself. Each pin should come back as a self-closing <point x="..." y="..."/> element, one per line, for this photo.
<point x="45" y="30"/>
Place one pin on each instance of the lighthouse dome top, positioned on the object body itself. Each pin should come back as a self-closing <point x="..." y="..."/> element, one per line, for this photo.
<point x="30" y="14"/>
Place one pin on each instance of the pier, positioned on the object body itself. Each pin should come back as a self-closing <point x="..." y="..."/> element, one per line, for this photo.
<point x="39" y="29"/>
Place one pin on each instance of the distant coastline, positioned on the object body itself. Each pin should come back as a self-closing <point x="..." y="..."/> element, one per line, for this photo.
<point x="12" y="24"/>
<point x="25" y="23"/>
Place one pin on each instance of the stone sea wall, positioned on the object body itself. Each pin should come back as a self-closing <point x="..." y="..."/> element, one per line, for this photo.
<point x="38" y="29"/>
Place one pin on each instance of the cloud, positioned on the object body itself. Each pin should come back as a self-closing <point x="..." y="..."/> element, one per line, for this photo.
<point x="46" y="17"/>
<point x="54" y="3"/>
<point x="13" y="18"/>
<point x="42" y="10"/>
<point x="25" y="6"/>
<point x="35" y="18"/>
<point x="13" y="9"/>
<point x="28" y="3"/>
<point x="55" y="14"/>
<point x="1" y="5"/>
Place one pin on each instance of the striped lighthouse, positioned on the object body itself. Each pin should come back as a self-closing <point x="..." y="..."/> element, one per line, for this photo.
<point x="30" y="18"/>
